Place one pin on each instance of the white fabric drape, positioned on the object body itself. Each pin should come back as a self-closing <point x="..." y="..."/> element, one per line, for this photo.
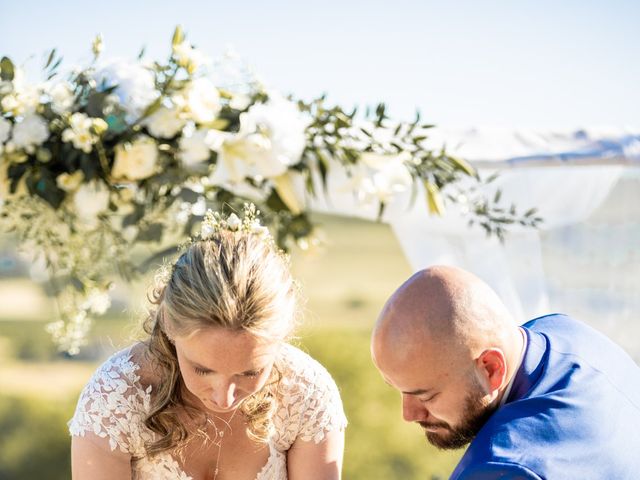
<point x="566" y="176"/>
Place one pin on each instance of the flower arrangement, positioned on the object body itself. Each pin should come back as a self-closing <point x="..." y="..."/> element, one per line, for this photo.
<point x="123" y="154"/>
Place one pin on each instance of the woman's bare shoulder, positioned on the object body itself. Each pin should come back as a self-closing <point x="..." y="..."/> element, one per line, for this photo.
<point x="148" y="370"/>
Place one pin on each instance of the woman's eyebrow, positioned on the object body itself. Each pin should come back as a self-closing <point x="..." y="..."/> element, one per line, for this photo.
<point x="202" y="367"/>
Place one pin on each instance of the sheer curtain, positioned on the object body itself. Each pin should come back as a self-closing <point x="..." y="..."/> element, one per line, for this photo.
<point x="584" y="259"/>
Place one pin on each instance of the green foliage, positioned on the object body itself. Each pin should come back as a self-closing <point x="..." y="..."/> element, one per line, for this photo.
<point x="34" y="442"/>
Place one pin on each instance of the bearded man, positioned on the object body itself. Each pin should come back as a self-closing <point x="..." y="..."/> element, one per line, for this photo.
<point x="551" y="399"/>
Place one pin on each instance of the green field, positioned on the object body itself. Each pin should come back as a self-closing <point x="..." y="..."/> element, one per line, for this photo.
<point x="346" y="284"/>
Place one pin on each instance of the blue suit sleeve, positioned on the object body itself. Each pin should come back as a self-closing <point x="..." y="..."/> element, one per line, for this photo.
<point x="497" y="471"/>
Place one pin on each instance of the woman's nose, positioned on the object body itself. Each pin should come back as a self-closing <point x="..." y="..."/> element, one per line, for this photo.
<point x="224" y="394"/>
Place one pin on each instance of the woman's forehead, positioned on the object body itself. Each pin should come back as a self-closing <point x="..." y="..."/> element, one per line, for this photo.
<point x="222" y="349"/>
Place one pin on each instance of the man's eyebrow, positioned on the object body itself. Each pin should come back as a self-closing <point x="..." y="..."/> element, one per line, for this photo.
<point x="413" y="392"/>
<point x="419" y="392"/>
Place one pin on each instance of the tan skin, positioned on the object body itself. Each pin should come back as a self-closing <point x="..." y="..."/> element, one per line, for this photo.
<point x="216" y="385"/>
<point x="426" y="344"/>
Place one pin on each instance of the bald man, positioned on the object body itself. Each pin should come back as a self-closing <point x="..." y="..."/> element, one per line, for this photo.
<point x="551" y="399"/>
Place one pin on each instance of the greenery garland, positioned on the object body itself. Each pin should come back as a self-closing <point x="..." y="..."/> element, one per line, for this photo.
<point x="122" y="158"/>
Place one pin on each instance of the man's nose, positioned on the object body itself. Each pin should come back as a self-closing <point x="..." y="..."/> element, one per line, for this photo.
<point x="412" y="409"/>
<point x="224" y="394"/>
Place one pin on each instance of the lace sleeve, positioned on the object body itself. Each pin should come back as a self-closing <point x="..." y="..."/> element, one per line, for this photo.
<point x="313" y="400"/>
<point x="113" y="405"/>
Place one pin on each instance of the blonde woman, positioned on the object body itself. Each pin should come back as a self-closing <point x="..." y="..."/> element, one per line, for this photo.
<point x="215" y="392"/>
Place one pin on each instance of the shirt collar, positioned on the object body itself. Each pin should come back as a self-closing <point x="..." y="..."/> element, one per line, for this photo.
<point x="523" y="350"/>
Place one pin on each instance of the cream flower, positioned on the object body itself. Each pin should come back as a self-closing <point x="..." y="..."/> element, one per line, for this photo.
<point x="31" y="132"/>
<point x="135" y="161"/>
<point x="202" y="100"/>
<point x="381" y="177"/>
<point x="195" y="146"/>
<point x="62" y="97"/>
<point x="81" y="131"/>
<point x="90" y="200"/>
<point x="22" y="101"/>
<point x="165" y="122"/>
<point x="70" y="182"/>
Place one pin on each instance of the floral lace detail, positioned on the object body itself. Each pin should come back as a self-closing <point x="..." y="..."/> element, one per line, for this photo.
<point x="310" y="404"/>
<point x="114" y="404"/>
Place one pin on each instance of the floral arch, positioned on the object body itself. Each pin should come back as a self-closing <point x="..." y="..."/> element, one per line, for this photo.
<point x="122" y="156"/>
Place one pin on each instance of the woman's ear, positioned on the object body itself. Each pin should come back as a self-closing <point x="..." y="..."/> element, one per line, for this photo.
<point x="492" y="366"/>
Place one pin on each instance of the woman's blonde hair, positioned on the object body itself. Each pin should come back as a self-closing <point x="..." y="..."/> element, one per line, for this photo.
<point x="233" y="280"/>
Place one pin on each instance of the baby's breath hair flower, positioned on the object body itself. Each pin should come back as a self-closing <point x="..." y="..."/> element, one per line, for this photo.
<point x="215" y="222"/>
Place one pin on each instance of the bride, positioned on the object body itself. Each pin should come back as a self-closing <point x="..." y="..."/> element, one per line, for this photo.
<point x="215" y="392"/>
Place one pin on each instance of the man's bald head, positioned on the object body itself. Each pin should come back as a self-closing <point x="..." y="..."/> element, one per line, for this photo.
<point x="447" y="343"/>
<point x="447" y="307"/>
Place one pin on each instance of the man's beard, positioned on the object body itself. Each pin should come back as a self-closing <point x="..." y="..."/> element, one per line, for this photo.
<point x="476" y="414"/>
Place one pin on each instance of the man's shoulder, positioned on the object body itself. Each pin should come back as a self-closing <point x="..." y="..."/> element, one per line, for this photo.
<point x="491" y="470"/>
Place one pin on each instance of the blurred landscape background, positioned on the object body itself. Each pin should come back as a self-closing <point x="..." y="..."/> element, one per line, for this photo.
<point x="462" y="64"/>
<point x="593" y="270"/>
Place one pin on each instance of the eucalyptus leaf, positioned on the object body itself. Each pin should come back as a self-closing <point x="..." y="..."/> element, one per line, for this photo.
<point x="7" y="69"/>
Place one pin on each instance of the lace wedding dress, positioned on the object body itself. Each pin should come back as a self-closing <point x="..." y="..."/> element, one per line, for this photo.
<point x="113" y="405"/>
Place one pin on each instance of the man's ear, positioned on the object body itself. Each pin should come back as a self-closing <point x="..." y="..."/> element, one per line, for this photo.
<point x="492" y="367"/>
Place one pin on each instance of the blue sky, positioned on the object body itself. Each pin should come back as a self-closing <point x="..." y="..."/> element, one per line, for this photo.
<point x="543" y="64"/>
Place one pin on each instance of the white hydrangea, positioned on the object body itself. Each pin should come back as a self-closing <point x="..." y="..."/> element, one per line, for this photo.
<point x="31" y="132"/>
<point x="135" y="85"/>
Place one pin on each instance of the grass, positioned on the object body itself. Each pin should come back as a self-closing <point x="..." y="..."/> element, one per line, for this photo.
<point x="346" y="285"/>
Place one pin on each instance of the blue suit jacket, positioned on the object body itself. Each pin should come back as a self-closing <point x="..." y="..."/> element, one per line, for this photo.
<point x="573" y="412"/>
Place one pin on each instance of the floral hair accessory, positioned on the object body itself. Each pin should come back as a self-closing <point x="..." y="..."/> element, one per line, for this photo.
<point x="249" y="224"/>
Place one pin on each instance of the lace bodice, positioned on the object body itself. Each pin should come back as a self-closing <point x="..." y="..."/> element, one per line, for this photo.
<point x="114" y="404"/>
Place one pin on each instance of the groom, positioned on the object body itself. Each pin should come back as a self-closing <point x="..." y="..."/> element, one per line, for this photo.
<point x="552" y="399"/>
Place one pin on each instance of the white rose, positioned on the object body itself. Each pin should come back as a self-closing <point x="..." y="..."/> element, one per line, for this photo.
<point x="202" y="100"/>
<point x="62" y="97"/>
<point x="165" y="123"/>
<point x="31" y="132"/>
<point x="90" y="200"/>
<point x="195" y="146"/>
<point x="5" y="130"/>
<point x="135" y="85"/>
<point x="137" y="160"/>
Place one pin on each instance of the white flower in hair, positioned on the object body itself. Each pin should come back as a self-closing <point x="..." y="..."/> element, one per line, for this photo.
<point x="249" y="224"/>
<point x="233" y="222"/>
